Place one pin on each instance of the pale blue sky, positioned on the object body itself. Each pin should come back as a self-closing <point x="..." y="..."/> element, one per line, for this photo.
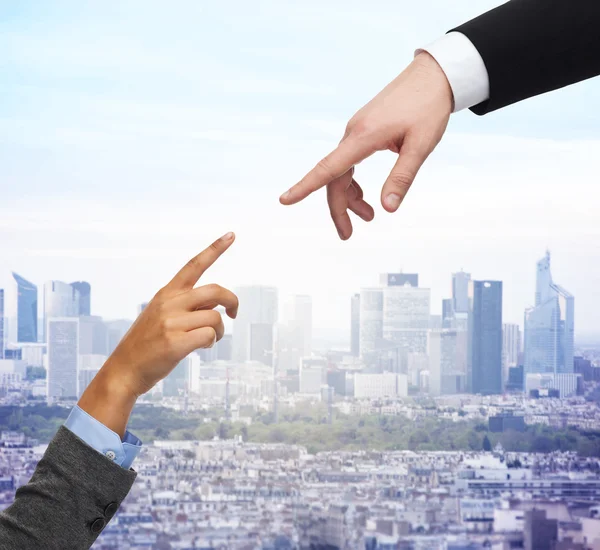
<point x="132" y="133"/>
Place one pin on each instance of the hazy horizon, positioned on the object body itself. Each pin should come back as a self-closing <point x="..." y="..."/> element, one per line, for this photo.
<point x="132" y="136"/>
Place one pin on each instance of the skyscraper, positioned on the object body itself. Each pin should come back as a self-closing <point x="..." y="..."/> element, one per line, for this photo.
<point x="63" y="357"/>
<point x="460" y="291"/>
<point x="511" y="347"/>
<point x="116" y="331"/>
<point x="294" y="334"/>
<point x="549" y="325"/>
<point x="299" y="321"/>
<point x="23" y="311"/>
<point x="261" y="343"/>
<point x="60" y="300"/>
<point x="447" y="362"/>
<point x="177" y="381"/>
<point x="447" y="313"/>
<point x="406" y="316"/>
<point x="485" y="337"/>
<point x="260" y="306"/>
<point x="355" y="325"/>
<point x="371" y="320"/>
<point x="93" y="336"/>
<point x="85" y="290"/>
<point x="394" y="320"/>
<point x="399" y="279"/>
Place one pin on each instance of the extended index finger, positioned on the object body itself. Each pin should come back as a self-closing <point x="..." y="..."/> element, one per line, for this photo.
<point x="190" y="273"/>
<point x="348" y="153"/>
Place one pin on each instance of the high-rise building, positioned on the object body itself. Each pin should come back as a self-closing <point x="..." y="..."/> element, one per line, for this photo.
<point x="511" y="347"/>
<point x="447" y="362"/>
<point x="85" y="290"/>
<point x="33" y="353"/>
<point x="299" y="318"/>
<point x="549" y="325"/>
<point x="93" y="336"/>
<point x="261" y="343"/>
<point x="63" y="358"/>
<point x="294" y="334"/>
<point x="406" y="317"/>
<point x="371" y="320"/>
<point x="60" y="300"/>
<point x="116" y="330"/>
<point x="460" y="291"/>
<point x="394" y="320"/>
<point x="447" y="313"/>
<point x="176" y="383"/>
<point x="20" y="310"/>
<point x="355" y="325"/>
<point x="485" y="337"/>
<point x="260" y="307"/>
<point x="399" y="279"/>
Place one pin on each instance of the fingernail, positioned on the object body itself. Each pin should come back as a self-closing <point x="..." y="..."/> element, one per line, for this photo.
<point x="227" y="236"/>
<point x="286" y="195"/>
<point x="392" y="201"/>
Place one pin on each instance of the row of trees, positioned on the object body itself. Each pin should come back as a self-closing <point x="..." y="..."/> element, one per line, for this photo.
<point x="308" y="427"/>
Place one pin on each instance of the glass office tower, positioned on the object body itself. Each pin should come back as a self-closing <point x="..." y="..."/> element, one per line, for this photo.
<point x="549" y="326"/>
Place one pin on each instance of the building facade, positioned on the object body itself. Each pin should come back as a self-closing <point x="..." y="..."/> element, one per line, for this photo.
<point x="60" y="300"/>
<point x="549" y="325"/>
<point x="485" y="337"/>
<point x="261" y="305"/>
<point x="460" y="291"/>
<point x="85" y="293"/>
<point x="63" y="358"/>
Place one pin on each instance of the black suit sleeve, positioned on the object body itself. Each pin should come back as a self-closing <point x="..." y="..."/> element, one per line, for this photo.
<point x="73" y="494"/>
<point x="530" y="47"/>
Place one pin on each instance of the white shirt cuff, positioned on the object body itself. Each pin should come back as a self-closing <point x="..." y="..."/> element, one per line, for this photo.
<point x="464" y="68"/>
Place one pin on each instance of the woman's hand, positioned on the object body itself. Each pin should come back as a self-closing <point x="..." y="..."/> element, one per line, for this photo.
<point x="178" y="320"/>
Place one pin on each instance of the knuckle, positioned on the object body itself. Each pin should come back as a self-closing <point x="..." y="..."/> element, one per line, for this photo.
<point x="362" y="127"/>
<point x="324" y="166"/>
<point x="160" y="296"/>
<point x="161" y="308"/>
<point x="196" y="261"/>
<point x="213" y="288"/>
<point x="400" y="180"/>
<point x="167" y="325"/>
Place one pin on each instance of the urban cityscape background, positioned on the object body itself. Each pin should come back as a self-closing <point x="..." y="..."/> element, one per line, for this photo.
<point x="452" y="404"/>
<point x="428" y="431"/>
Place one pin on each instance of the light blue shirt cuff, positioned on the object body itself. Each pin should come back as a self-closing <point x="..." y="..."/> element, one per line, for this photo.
<point x="104" y="440"/>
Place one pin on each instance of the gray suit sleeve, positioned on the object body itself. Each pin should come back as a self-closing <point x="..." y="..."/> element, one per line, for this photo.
<point x="72" y="495"/>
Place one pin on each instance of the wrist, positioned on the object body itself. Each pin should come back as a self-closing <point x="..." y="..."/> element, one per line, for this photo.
<point x="430" y="69"/>
<point x="109" y="399"/>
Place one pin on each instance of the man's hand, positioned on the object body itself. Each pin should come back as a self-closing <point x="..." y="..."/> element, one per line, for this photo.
<point x="178" y="320"/>
<point x="409" y="117"/>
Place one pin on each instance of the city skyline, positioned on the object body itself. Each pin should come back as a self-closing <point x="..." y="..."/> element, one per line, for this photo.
<point x="178" y="141"/>
<point x="339" y="333"/>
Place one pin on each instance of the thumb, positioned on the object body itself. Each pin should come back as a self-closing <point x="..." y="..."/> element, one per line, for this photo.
<point x="410" y="159"/>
